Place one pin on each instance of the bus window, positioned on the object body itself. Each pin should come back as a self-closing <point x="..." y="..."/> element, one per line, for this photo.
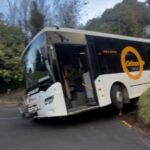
<point x="35" y="65"/>
<point x="76" y="78"/>
<point x="108" y="53"/>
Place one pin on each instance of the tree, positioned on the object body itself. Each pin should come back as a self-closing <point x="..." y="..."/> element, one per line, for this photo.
<point x="2" y="19"/>
<point x="46" y="9"/>
<point x="148" y="1"/>
<point x="23" y="10"/>
<point x="20" y="14"/>
<point x="10" y="61"/>
<point x="32" y="15"/>
<point x="68" y="13"/>
<point x="127" y="18"/>
<point x="37" y="19"/>
<point x="12" y="12"/>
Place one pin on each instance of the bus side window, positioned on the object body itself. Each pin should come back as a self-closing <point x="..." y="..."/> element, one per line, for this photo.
<point x="147" y="58"/>
<point x="109" y="55"/>
<point x="145" y="54"/>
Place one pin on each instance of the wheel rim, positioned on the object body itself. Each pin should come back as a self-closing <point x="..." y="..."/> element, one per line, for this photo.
<point x="119" y="96"/>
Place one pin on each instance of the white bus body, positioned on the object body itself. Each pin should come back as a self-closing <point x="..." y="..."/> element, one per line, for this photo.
<point x="104" y="74"/>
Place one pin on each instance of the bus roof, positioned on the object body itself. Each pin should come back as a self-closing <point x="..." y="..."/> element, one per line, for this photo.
<point x="86" y="32"/>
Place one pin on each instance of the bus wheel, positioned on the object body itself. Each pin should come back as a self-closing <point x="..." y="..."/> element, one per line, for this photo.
<point x="117" y="97"/>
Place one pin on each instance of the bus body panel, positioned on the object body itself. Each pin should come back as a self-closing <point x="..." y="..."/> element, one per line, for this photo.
<point x="49" y="103"/>
<point x="104" y="58"/>
<point x="134" y="87"/>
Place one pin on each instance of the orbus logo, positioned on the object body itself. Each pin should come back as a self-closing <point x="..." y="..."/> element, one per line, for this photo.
<point x="132" y="63"/>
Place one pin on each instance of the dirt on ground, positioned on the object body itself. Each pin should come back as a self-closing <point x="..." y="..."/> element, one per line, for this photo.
<point x="131" y="117"/>
<point x="12" y="98"/>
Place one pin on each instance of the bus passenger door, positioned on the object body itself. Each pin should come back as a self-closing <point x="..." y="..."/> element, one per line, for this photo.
<point x="74" y="68"/>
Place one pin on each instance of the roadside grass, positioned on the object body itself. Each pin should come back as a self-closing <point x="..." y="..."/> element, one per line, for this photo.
<point x="144" y="108"/>
<point x="11" y="98"/>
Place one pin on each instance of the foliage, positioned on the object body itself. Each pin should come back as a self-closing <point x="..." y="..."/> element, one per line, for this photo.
<point x="21" y="13"/>
<point x="37" y="19"/>
<point x="32" y="15"/>
<point x="144" y="107"/>
<point x="148" y="1"/>
<point x="24" y="19"/>
<point x="127" y="18"/>
<point x="10" y="60"/>
<point x="68" y="13"/>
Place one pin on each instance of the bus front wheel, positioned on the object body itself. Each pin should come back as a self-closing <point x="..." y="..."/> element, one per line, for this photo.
<point x="117" y="96"/>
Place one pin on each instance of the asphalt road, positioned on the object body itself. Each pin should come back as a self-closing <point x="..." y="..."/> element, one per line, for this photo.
<point x="89" y="131"/>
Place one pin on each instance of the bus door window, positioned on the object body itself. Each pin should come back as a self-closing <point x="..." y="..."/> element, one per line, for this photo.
<point x="76" y="78"/>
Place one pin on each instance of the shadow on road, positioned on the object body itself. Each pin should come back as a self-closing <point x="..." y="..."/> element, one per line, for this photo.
<point x="99" y="115"/>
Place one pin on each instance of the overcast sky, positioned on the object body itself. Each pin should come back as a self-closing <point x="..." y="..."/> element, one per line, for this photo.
<point x="92" y="9"/>
<point x="97" y="7"/>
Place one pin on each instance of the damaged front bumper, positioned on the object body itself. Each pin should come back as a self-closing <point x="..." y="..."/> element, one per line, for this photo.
<point x="27" y="111"/>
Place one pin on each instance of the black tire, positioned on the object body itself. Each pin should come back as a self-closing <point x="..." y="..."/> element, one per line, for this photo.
<point x="117" y="96"/>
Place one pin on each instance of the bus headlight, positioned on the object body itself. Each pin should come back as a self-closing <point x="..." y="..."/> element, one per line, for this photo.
<point x="49" y="100"/>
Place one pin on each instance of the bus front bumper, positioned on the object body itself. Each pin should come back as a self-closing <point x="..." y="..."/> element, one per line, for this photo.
<point x="28" y="112"/>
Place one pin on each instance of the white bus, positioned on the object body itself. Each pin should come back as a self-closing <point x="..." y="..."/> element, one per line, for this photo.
<point x="69" y="71"/>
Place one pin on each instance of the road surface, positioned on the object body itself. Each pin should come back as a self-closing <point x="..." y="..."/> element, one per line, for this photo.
<point x="89" y="131"/>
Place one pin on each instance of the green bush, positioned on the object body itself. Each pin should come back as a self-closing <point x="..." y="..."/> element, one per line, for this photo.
<point x="11" y="47"/>
<point x="144" y="107"/>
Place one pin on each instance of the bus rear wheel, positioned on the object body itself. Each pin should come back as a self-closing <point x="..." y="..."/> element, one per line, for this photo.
<point x="117" y="96"/>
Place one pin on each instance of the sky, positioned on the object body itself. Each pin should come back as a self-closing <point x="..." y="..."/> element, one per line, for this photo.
<point x="93" y="8"/>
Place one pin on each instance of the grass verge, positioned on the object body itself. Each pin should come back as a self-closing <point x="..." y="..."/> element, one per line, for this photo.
<point x="144" y="108"/>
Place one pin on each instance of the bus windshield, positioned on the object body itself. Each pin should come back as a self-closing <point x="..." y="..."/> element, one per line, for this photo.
<point x="36" y="64"/>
